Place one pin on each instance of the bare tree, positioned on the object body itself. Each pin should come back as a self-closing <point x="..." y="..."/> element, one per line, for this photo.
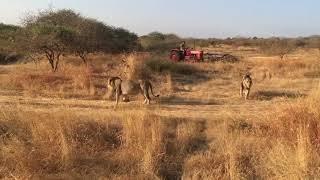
<point x="277" y="46"/>
<point x="47" y="33"/>
<point x="92" y="36"/>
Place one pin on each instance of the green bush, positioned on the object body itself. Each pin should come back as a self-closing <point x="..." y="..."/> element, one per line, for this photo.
<point x="9" y="58"/>
<point x="158" y="42"/>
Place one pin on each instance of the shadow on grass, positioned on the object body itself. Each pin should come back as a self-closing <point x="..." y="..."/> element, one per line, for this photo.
<point x="312" y="74"/>
<point x="182" y="141"/>
<point x="271" y="94"/>
<point x="175" y="100"/>
<point x="183" y="73"/>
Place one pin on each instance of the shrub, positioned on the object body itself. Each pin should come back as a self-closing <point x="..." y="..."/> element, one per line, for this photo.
<point x="161" y="65"/>
<point x="159" y="42"/>
<point x="278" y="47"/>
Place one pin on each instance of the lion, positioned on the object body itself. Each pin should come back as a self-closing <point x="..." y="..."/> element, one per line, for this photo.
<point x="114" y="86"/>
<point x="245" y="86"/>
<point x="128" y="87"/>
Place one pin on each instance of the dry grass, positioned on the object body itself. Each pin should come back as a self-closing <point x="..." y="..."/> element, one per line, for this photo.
<point x="139" y="144"/>
<point x="69" y="81"/>
<point x="284" y="145"/>
<point x="200" y="130"/>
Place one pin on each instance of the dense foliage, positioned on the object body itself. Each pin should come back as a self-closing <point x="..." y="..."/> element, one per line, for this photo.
<point x="54" y="33"/>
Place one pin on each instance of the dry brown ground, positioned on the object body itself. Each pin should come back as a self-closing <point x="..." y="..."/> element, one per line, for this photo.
<point x="199" y="110"/>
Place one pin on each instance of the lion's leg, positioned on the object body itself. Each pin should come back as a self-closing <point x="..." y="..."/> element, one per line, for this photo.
<point x="245" y="94"/>
<point x="111" y="93"/>
<point x="241" y="90"/>
<point x="146" y="94"/>
<point x="145" y="101"/>
<point x="117" y="96"/>
<point x="248" y="92"/>
<point x="148" y="101"/>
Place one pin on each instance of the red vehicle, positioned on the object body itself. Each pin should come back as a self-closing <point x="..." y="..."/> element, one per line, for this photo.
<point x="186" y="55"/>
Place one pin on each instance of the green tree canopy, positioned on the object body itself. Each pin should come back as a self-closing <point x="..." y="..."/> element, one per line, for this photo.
<point x="54" y="33"/>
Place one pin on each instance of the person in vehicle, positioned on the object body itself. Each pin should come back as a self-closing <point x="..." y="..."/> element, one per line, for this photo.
<point x="182" y="46"/>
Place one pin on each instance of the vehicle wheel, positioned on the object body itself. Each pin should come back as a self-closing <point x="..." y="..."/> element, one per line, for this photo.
<point x="173" y="57"/>
<point x="177" y="56"/>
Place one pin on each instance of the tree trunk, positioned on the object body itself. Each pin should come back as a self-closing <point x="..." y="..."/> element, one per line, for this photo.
<point x="51" y="61"/>
<point x="50" y="56"/>
<point x="57" y="63"/>
<point x="84" y="59"/>
<point x="83" y="56"/>
<point x="36" y="59"/>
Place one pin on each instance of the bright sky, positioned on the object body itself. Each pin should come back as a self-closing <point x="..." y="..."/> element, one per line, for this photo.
<point x="188" y="18"/>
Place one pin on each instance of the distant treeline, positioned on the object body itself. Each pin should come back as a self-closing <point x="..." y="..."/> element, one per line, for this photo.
<point x="54" y="33"/>
<point x="160" y="42"/>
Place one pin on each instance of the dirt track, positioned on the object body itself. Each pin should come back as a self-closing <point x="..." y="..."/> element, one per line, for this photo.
<point x="204" y="101"/>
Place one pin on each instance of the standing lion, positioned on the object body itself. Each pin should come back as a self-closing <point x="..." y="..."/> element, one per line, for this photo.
<point x="245" y="86"/>
<point x="128" y="87"/>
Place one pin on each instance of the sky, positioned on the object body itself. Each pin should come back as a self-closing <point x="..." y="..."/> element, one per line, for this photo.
<point x="187" y="18"/>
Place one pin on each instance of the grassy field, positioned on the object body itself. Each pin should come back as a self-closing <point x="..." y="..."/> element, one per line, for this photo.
<point x="62" y="126"/>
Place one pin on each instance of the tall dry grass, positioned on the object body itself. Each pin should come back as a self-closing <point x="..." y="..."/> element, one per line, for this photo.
<point x="64" y="144"/>
<point x="134" y="66"/>
<point x="283" y="145"/>
<point x="70" y="80"/>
